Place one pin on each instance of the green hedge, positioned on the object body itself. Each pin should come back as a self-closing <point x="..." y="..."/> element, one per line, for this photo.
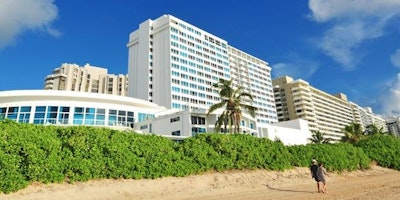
<point x="237" y="151"/>
<point x="36" y="153"/>
<point x="336" y="157"/>
<point x="384" y="149"/>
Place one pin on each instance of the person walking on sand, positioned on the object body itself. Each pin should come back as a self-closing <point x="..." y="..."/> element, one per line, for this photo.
<point x="314" y="170"/>
<point x="321" y="174"/>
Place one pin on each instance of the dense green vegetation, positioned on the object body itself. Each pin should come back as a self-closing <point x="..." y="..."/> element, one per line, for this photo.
<point x="32" y="153"/>
<point x="382" y="148"/>
<point x="336" y="157"/>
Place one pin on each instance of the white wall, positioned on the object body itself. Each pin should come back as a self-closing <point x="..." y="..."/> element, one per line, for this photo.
<point x="294" y="132"/>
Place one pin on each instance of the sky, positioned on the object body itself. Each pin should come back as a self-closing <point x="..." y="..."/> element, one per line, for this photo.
<point x="338" y="46"/>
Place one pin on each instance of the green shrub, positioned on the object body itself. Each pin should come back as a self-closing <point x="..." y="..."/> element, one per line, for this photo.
<point x="336" y="157"/>
<point x="11" y="178"/>
<point x="384" y="149"/>
<point x="29" y="153"/>
<point x="81" y="153"/>
<point x="78" y="153"/>
<point x="237" y="151"/>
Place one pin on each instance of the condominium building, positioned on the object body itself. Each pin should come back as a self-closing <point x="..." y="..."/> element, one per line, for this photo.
<point x="72" y="77"/>
<point x="324" y="112"/>
<point x="365" y="117"/>
<point x="174" y="64"/>
<point x="393" y="124"/>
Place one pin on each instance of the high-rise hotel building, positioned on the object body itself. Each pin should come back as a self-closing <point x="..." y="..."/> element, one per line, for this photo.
<point x="174" y="64"/>
<point x="254" y="75"/>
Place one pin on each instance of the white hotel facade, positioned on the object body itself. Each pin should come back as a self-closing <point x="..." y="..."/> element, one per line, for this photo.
<point x="174" y="64"/>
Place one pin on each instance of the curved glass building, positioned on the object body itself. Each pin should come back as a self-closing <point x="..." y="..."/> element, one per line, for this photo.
<point x="75" y="108"/>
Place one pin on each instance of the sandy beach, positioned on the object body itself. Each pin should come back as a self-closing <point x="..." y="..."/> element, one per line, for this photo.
<point x="376" y="183"/>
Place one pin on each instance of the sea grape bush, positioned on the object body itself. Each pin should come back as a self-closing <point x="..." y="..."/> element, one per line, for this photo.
<point x="234" y="151"/>
<point x="36" y="153"/>
<point x="336" y="157"/>
<point x="384" y="149"/>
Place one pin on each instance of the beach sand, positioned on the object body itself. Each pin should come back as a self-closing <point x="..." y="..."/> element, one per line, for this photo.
<point x="376" y="183"/>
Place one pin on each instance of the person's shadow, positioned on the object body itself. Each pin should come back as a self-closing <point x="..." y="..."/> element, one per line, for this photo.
<point x="287" y="190"/>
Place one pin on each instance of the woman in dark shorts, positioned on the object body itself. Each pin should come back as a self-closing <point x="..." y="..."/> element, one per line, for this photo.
<point x="314" y="170"/>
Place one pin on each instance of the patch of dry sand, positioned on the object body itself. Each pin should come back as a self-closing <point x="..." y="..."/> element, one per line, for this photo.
<point x="376" y="183"/>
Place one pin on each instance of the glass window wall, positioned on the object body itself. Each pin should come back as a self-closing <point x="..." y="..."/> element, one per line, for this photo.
<point x="24" y="114"/>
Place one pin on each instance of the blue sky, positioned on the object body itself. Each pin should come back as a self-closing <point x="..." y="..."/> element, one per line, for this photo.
<point x="348" y="46"/>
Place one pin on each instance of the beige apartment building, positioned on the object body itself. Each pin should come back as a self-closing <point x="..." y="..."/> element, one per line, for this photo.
<point x="326" y="113"/>
<point x="365" y="117"/>
<point x="72" y="77"/>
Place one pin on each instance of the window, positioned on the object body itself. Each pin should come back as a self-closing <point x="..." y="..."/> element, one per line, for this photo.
<point x="251" y="125"/>
<point x="78" y="115"/>
<point x="3" y="112"/>
<point x="24" y="114"/>
<point x="112" y="117"/>
<point x="143" y="116"/>
<point x="176" y="89"/>
<point x="176" y="105"/>
<point x="100" y="116"/>
<point x="193" y="93"/>
<point x="184" y="83"/>
<point x="122" y="118"/>
<point x="198" y="120"/>
<point x="185" y="91"/>
<point x="89" y="116"/>
<point x="63" y="115"/>
<point x="12" y="113"/>
<point x="175" y="119"/>
<point x="197" y="130"/>
<point x="176" y="133"/>
<point x="130" y="119"/>
<point x="51" y="116"/>
<point x="39" y="115"/>
<point x="143" y="127"/>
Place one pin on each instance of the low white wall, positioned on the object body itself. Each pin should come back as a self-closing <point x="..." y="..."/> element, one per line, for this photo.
<point x="294" y="132"/>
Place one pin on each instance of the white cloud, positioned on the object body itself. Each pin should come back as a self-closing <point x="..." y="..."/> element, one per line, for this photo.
<point x="17" y="16"/>
<point x="390" y="98"/>
<point x="353" y="22"/>
<point x="395" y="58"/>
<point x="326" y="10"/>
<point x="296" y="69"/>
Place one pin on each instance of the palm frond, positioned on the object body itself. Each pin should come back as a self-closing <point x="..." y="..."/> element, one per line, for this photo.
<point x="234" y="101"/>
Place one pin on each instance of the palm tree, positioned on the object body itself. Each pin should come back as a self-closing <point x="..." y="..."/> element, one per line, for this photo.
<point x="318" y="137"/>
<point x="353" y="133"/>
<point x="372" y="129"/>
<point x="234" y="101"/>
